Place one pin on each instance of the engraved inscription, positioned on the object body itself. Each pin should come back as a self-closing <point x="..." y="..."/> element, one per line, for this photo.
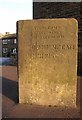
<point x="56" y="47"/>
<point x="52" y="32"/>
<point x="47" y="62"/>
<point x="48" y="34"/>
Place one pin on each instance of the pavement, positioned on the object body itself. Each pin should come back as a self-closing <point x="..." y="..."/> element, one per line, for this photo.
<point x="12" y="109"/>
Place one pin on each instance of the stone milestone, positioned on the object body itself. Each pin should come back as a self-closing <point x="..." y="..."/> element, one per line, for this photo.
<point x="47" y="61"/>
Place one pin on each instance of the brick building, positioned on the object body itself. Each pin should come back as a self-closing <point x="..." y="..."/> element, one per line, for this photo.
<point x="56" y="10"/>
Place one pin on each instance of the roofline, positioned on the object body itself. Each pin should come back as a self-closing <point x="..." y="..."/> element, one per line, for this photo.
<point x="9" y="36"/>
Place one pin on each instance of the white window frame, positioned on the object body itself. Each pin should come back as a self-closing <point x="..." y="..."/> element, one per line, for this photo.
<point x="8" y="40"/>
<point x="15" y="41"/>
<point x="14" y="50"/>
<point x="5" y="41"/>
<point x="5" y="50"/>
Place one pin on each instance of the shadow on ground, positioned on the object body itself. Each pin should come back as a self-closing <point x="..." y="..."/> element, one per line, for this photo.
<point x="10" y="89"/>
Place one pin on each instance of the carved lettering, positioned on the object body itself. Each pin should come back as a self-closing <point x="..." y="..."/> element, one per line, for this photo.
<point x="48" y="32"/>
<point x="55" y="47"/>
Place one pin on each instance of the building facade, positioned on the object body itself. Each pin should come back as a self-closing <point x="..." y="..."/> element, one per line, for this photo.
<point x="9" y="45"/>
<point x="56" y="10"/>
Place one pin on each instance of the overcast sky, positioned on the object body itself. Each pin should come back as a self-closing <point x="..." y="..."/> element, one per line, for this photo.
<point x="12" y="11"/>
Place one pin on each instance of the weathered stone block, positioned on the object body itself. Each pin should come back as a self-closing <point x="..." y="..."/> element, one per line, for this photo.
<point x="47" y="61"/>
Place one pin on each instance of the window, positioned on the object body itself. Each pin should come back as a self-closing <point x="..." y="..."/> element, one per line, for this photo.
<point x="14" y="50"/>
<point x="14" y="41"/>
<point x="8" y="40"/>
<point x="4" y="50"/>
<point x="4" y="41"/>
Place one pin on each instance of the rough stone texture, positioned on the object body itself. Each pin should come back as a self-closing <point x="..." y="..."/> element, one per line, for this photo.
<point x="47" y="61"/>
